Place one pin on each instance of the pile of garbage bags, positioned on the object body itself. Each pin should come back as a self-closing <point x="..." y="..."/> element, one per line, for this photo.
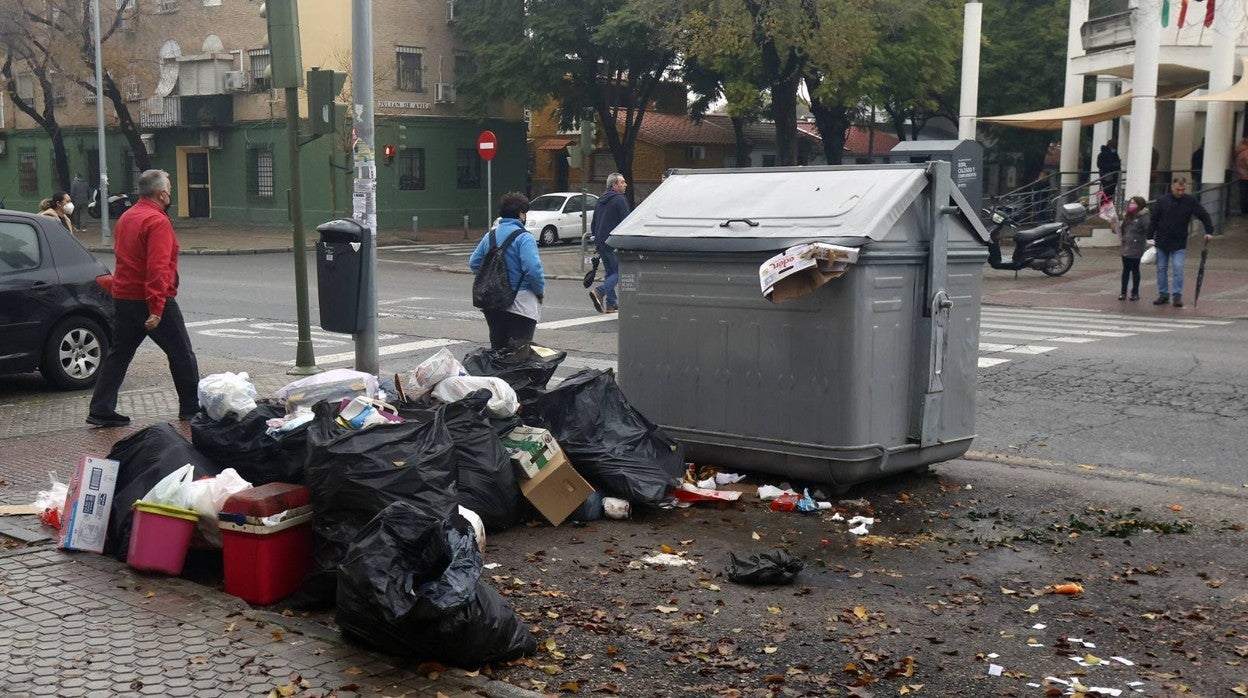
<point x="406" y="478"/>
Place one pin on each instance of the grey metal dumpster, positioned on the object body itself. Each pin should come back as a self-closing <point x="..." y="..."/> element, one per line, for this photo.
<point x="871" y="374"/>
<point x="339" y="268"/>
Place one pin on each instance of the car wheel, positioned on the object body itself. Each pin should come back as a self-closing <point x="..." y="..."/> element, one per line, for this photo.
<point x="548" y="237"/>
<point x="71" y="359"/>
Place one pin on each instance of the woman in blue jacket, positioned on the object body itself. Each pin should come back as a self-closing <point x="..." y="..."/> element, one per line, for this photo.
<point x="516" y="324"/>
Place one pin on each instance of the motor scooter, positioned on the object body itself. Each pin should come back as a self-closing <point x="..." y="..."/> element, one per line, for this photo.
<point x="117" y="204"/>
<point x="1048" y="248"/>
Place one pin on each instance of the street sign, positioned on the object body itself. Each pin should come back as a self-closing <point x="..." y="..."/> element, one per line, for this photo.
<point x="487" y="145"/>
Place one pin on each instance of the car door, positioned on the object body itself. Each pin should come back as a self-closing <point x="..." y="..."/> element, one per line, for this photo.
<point x="572" y="215"/>
<point x="29" y="293"/>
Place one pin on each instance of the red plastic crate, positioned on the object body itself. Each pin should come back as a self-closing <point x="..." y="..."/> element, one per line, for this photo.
<point x="264" y="564"/>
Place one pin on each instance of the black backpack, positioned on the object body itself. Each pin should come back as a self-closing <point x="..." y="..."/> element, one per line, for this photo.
<point x="492" y="290"/>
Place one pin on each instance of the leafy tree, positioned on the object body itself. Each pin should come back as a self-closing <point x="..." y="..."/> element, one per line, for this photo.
<point x="915" y="59"/>
<point x="596" y="58"/>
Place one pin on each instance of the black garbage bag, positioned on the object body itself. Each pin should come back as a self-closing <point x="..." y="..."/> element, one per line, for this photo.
<point x="411" y="584"/>
<point x="612" y="445"/>
<point x="354" y="474"/>
<point x="773" y="567"/>
<point x="146" y="457"/>
<point x="522" y="367"/>
<point x="244" y="444"/>
<point x="484" y="475"/>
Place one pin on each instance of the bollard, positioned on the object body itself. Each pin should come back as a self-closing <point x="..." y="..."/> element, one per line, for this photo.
<point x="415" y="225"/>
<point x="465" y="226"/>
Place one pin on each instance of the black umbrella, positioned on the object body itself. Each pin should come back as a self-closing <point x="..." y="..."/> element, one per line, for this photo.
<point x="1200" y="273"/>
<point x="589" y="275"/>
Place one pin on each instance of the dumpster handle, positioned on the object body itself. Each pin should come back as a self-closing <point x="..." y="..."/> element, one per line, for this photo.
<point x="747" y="221"/>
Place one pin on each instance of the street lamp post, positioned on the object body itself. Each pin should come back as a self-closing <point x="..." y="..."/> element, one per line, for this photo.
<point x="105" y="234"/>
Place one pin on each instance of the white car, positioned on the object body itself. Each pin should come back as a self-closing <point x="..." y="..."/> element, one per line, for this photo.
<point x="557" y="216"/>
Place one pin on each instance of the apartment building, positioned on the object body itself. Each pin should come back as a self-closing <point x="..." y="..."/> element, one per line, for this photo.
<point x="197" y="82"/>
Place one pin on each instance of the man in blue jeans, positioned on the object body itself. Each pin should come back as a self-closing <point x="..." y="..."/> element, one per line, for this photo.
<point x="611" y="209"/>
<point x="1171" y="216"/>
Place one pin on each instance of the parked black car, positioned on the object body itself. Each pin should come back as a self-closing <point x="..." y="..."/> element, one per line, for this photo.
<point x="56" y="313"/>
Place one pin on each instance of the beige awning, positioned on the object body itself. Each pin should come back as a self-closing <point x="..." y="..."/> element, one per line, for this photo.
<point x="1235" y="93"/>
<point x="1086" y="114"/>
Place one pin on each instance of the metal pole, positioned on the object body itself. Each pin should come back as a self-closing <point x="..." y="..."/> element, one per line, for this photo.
<point x="106" y="237"/>
<point x="489" y="193"/>
<point x="364" y="197"/>
<point x="305" y="361"/>
<point x="969" y="105"/>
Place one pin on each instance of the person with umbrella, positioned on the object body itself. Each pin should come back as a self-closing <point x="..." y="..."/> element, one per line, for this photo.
<point x="1169" y="220"/>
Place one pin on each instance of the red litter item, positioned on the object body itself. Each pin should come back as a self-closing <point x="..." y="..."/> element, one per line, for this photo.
<point x="785" y="502"/>
<point x="266" y="561"/>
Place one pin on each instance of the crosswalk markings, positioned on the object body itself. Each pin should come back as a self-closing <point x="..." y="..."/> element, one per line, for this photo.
<point x="388" y="350"/>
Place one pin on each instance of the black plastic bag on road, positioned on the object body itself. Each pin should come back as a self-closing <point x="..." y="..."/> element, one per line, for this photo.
<point x="612" y="445"/>
<point x="243" y="443"/>
<point x="411" y="585"/>
<point x="521" y="366"/>
<point x="773" y="567"/>
<point x="484" y="476"/>
<point x="354" y="474"/>
<point x="146" y="458"/>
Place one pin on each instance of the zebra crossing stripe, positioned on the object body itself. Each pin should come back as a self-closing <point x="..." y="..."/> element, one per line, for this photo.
<point x="1097" y="315"/>
<point x="1025" y="336"/>
<point x="1014" y="348"/>
<point x="1069" y="331"/>
<point x="1093" y="323"/>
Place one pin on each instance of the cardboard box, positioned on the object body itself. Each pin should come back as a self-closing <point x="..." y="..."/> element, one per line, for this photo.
<point x="556" y="490"/>
<point x="84" y="520"/>
<point x="531" y="449"/>
<point x="803" y="268"/>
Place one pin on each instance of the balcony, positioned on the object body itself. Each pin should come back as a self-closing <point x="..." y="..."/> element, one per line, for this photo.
<point x="1108" y="32"/>
<point x="160" y="112"/>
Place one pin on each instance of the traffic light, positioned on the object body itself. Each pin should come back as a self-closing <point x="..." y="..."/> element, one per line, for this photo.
<point x="282" y="17"/>
<point x="574" y="155"/>
<point x="323" y="113"/>
<point x="387" y="153"/>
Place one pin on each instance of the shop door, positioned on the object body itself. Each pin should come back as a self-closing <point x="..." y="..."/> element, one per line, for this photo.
<point x="198" y="201"/>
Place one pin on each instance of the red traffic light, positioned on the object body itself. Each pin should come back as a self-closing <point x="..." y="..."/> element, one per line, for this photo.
<point x="387" y="152"/>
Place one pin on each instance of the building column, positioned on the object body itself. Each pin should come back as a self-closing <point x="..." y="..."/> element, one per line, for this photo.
<point x="1103" y="131"/>
<point x="1147" y="21"/>
<point x="1074" y="94"/>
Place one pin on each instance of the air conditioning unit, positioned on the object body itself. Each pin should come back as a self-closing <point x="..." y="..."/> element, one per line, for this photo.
<point x="450" y="11"/>
<point x="444" y="93"/>
<point x="210" y="139"/>
<point x="236" y="81"/>
<point x="695" y="152"/>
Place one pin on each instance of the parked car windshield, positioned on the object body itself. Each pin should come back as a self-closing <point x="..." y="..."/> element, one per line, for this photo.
<point x="547" y="203"/>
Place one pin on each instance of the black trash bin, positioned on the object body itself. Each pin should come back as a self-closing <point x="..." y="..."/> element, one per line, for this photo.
<point x="339" y="267"/>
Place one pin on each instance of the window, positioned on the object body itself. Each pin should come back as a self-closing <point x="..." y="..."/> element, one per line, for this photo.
<point x="260" y="174"/>
<point x="19" y="247"/>
<point x="260" y="59"/>
<point x="28" y="172"/>
<point x="129" y="171"/>
<point x="212" y="3"/>
<point x="26" y="87"/>
<point x="467" y="169"/>
<point x="603" y="164"/>
<point x="412" y="169"/>
<point x="411" y="78"/>
<point x="166" y="6"/>
<point x="463" y="64"/>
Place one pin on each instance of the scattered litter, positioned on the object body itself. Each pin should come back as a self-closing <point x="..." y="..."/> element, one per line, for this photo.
<point x="1123" y="661"/>
<point x="19" y="509"/>
<point x="728" y="478"/>
<point x="1068" y="589"/>
<point x="691" y="493"/>
<point x="860" y="524"/>
<point x="859" y="530"/>
<point x="707" y="484"/>
<point x="1054" y="679"/>
<point x="1039" y="626"/>
<point x="774" y="567"/>
<point x="51" y="501"/>
<point x="995" y="669"/>
<point x="1034" y="685"/>
<point x="615" y="508"/>
<point x="1087" y="660"/>
<point x="860" y="503"/>
<point x="837" y="517"/>
<point x="994" y="655"/>
<point x="770" y="492"/>
<point x="1032" y="642"/>
<point x="491" y="565"/>
<point x="665" y="560"/>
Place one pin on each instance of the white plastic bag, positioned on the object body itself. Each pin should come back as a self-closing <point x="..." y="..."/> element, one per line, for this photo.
<point x="331" y="385"/>
<point x="224" y="393"/>
<point x="208" y="495"/>
<point x="478" y="526"/>
<point x="51" y="502"/>
<point x="174" y="490"/>
<point x="503" y="400"/>
<point x="362" y="412"/>
<point x="1150" y="256"/>
<point x="434" y="370"/>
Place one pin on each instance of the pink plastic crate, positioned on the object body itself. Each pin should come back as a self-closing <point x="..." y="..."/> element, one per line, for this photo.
<point x="160" y="537"/>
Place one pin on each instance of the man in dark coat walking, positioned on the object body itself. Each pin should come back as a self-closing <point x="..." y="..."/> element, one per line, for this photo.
<point x="611" y="209"/>
<point x="1107" y="166"/>
<point x="1170" y="217"/>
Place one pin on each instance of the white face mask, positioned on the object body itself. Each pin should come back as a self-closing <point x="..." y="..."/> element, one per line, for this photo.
<point x="68" y="208"/>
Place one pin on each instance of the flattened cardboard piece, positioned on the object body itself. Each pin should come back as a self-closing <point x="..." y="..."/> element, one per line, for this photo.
<point x="802" y="269"/>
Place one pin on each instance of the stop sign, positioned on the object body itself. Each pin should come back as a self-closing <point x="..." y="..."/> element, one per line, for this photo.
<point x="487" y="145"/>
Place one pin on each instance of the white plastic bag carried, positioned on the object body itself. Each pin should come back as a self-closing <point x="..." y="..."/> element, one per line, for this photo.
<point x="1150" y="256"/>
<point x="503" y="400"/>
<point x="174" y="490"/>
<point x="434" y="370"/>
<point x="208" y="495"/>
<point x="332" y="385"/>
<point x="225" y="393"/>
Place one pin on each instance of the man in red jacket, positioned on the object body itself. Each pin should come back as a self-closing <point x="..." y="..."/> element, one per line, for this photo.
<point x="145" y="283"/>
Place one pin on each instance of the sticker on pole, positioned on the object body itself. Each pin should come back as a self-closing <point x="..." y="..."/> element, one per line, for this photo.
<point x="487" y="145"/>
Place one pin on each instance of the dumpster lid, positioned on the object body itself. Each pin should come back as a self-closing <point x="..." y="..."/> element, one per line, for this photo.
<point x="773" y="208"/>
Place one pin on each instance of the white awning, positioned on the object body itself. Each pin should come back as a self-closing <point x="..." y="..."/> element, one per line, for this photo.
<point x="1235" y="93"/>
<point x="1086" y="114"/>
